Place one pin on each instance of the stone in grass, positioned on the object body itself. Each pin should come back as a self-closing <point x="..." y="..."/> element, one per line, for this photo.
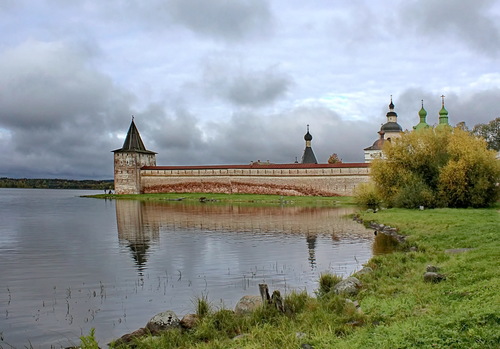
<point x="162" y="322"/>
<point x="189" y="321"/>
<point x="364" y="270"/>
<point x="129" y="337"/>
<point x="434" y="277"/>
<point x="432" y="269"/>
<point x="247" y="304"/>
<point x="349" y="286"/>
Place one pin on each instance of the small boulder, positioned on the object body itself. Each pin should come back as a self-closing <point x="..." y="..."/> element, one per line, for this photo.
<point x="365" y="270"/>
<point x="189" y="321"/>
<point x="434" y="277"/>
<point x="349" y="286"/>
<point x="162" y="322"/>
<point x="432" y="269"/>
<point x="247" y="304"/>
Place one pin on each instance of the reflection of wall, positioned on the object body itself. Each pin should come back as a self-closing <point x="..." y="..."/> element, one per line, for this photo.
<point x="138" y="233"/>
<point x="211" y="216"/>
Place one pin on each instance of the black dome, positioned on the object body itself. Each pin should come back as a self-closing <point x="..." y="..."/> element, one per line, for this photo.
<point x="391" y="127"/>
<point x="308" y="136"/>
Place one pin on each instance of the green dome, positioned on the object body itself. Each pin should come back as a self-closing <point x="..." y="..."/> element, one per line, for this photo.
<point x="422" y="113"/>
<point x="443" y="111"/>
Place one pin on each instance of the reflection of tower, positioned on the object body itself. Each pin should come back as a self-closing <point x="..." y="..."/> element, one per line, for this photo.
<point x="311" y="246"/>
<point x="135" y="230"/>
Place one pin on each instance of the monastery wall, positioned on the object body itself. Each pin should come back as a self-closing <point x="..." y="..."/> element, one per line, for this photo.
<point x="294" y="179"/>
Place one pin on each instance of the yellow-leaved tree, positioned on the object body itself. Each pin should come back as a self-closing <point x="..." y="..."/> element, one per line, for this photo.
<point x="437" y="168"/>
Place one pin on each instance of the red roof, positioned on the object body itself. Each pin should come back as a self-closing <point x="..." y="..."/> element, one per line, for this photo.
<point x="257" y="165"/>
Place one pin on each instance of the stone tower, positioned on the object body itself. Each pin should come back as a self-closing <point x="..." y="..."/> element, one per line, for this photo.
<point x="308" y="157"/>
<point x="128" y="162"/>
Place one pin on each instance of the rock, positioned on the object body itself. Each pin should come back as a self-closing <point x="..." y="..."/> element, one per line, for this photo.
<point x="432" y="269"/>
<point x="129" y="337"/>
<point x="354" y="304"/>
<point x="413" y="249"/>
<point x="434" y="277"/>
<point x="162" y="322"/>
<point x="365" y="270"/>
<point x="349" y="286"/>
<point x="189" y="321"/>
<point x="300" y="335"/>
<point x="306" y="346"/>
<point x="247" y="304"/>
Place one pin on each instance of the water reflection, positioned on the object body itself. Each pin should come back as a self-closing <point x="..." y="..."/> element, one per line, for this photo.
<point x="140" y="224"/>
<point x="136" y="230"/>
<point x="69" y="264"/>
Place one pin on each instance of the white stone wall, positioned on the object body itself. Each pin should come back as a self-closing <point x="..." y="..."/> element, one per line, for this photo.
<point x="127" y="171"/>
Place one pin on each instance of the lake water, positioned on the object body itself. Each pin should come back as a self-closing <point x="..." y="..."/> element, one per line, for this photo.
<point x="69" y="264"/>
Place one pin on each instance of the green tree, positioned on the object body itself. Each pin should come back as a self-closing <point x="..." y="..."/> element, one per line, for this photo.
<point x="490" y="132"/>
<point x="437" y="168"/>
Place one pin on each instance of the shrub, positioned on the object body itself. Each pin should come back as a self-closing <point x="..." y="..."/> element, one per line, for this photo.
<point x="326" y="283"/>
<point x="367" y="197"/>
<point x="437" y="168"/>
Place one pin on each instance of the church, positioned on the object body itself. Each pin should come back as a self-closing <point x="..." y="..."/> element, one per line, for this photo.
<point x="136" y="171"/>
<point x="391" y="129"/>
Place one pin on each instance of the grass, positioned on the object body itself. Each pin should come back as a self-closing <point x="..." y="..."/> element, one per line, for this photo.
<point x="242" y="199"/>
<point x="397" y="308"/>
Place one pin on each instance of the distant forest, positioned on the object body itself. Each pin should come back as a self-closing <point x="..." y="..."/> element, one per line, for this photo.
<point x="41" y="183"/>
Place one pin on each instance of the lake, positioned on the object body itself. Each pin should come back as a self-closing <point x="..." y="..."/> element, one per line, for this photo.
<point x="69" y="264"/>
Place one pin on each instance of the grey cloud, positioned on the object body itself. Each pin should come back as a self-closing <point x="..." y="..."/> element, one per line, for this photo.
<point x="467" y="20"/>
<point x="47" y="84"/>
<point x="230" y="20"/>
<point x="248" y="136"/>
<point x="471" y="107"/>
<point x="57" y="114"/>
<point x="243" y="87"/>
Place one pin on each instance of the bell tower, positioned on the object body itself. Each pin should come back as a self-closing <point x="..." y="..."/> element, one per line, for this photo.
<point x="128" y="161"/>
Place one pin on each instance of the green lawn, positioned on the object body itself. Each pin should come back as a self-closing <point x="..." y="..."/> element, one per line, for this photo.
<point x="235" y="198"/>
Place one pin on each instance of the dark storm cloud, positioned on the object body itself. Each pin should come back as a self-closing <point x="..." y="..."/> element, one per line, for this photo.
<point x="245" y="87"/>
<point x="466" y="20"/>
<point x="57" y="114"/>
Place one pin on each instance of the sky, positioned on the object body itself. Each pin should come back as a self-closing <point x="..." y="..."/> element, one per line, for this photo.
<point x="213" y="82"/>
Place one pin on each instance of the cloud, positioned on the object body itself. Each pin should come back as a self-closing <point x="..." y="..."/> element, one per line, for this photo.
<point x="467" y="20"/>
<point x="473" y="107"/>
<point x="221" y="19"/>
<point x="250" y="136"/>
<point x="244" y="87"/>
<point x="57" y="113"/>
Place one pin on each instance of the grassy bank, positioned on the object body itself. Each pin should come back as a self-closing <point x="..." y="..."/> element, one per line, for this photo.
<point x="397" y="309"/>
<point x="253" y="199"/>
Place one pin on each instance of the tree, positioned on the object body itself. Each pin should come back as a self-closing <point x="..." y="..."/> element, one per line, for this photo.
<point x="334" y="159"/>
<point x="437" y="168"/>
<point x="490" y="132"/>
